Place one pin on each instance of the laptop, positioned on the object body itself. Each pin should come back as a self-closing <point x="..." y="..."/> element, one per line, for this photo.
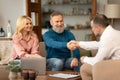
<point x="38" y="64"/>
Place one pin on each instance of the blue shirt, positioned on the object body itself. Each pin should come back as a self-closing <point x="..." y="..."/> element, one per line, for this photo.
<point x="56" y="44"/>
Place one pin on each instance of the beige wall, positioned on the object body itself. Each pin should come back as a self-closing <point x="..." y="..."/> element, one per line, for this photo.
<point x="11" y="9"/>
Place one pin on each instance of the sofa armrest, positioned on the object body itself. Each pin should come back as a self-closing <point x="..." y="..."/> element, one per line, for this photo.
<point x="107" y="70"/>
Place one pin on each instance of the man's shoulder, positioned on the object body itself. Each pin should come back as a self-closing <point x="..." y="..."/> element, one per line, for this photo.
<point x="47" y="32"/>
<point x="67" y="31"/>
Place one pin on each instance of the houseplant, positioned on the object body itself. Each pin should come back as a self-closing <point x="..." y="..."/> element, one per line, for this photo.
<point x="15" y="69"/>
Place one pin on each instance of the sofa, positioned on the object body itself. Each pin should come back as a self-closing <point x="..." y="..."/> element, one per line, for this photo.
<point x="103" y="70"/>
<point x="107" y="70"/>
<point x="6" y="48"/>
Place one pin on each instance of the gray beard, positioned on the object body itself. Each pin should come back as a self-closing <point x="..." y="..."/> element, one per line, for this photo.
<point x="57" y="30"/>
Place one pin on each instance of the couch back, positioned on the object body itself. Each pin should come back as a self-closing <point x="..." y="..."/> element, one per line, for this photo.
<point x="42" y="49"/>
<point x="6" y="48"/>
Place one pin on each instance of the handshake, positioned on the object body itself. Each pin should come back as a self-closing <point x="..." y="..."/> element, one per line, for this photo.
<point x="72" y="45"/>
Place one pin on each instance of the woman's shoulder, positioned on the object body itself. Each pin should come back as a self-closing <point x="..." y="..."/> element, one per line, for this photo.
<point x="16" y="36"/>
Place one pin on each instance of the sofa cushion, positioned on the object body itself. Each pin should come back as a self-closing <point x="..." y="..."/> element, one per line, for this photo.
<point x="42" y="49"/>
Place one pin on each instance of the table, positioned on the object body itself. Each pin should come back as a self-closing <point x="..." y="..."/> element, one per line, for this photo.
<point x="47" y="77"/>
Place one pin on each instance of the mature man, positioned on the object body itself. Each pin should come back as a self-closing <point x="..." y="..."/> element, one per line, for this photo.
<point x="59" y="56"/>
<point x="108" y="46"/>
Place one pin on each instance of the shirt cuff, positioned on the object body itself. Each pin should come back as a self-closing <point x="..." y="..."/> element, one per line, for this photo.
<point x="81" y="43"/>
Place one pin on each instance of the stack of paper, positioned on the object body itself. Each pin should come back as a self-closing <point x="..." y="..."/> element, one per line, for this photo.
<point x="61" y="75"/>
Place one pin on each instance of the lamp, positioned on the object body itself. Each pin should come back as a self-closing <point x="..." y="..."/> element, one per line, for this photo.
<point x="112" y="11"/>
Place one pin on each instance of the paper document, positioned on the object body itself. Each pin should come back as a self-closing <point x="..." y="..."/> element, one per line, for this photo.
<point x="62" y="75"/>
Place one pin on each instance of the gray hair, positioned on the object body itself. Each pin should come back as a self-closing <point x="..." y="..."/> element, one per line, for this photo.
<point x="56" y="13"/>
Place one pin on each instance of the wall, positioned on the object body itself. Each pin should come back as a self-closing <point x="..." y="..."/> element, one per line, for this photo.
<point x="11" y="10"/>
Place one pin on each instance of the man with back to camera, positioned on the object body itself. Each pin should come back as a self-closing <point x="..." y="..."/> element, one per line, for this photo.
<point x="108" y="47"/>
<point x="56" y="41"/>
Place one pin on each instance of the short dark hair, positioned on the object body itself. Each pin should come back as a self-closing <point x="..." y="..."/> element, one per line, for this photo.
<point x="56" y="13"/>
<point x="100" y="19"/>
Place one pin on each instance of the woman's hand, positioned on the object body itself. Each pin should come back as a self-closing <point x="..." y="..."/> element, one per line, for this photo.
<point x="35" y="55"/>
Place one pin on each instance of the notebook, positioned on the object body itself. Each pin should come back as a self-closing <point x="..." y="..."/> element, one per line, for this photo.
<point x="65" y="76"/>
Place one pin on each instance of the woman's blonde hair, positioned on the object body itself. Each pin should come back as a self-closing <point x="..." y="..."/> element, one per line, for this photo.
<point x="20" y="24"/>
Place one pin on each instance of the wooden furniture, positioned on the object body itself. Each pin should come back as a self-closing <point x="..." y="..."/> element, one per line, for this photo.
<point x="5" y="38"/>
<point x="33" y="10"/>
<point x="94" y="10"/>
<point x="47" y="77"/>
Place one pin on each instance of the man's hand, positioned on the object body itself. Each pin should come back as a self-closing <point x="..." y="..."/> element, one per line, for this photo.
<point x="74" y="62"/>
<point x="72" y="45"/>
<point x="32" y="55"/>
<point x="82" y="59"/>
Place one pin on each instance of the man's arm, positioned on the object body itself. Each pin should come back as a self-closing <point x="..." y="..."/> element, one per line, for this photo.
<point x="62" y="46"/>
<point x="104" y="52"/>
<point x="88" y="45"/>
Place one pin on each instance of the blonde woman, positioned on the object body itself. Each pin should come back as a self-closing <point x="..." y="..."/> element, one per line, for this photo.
<point x="25" y="41"/>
